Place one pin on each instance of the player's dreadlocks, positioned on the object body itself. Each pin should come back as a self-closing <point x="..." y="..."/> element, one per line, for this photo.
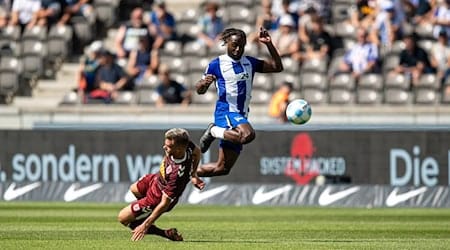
<point x="227" y="33"/>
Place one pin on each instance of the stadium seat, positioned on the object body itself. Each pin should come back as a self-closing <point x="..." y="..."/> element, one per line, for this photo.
<point x="146" y="96"/>
<point x="313" y="80"/>
<point x="428" y="81"/>
<point x="9" y="83"/>
<point x="341" y="96"/>
<point x="424" y="31"/>
<point x="263" y="81"/>
<point x="106" y="12"/>
<point x="10" y="33"/>
<point x="445" y="99"/>
<point x="84" y="31"/>
<point x="176" y="64"/>
<point x="239" y="13"/>
<point x="244" y="26"/>
<point x="314" y="65"/>
<point x="394" y="80"/>
<point x="208" y="98"/>
<point x="368" y="96"/>
<point x="216" y="50"/>
<point x="397" y="96"/>
<point x="390" y="62"/>
<point x="33" y="59"/>
<point x="125" y="97"/>
<point x="349" y="43"/>
<point x="372" y="81"/>
<point x="181" y="78"/>
<point x="426" y="44"/>
<point x="36" y="33"/>
<point x="252" y="49"/>
<point x="197" y="64"/>
<point x="344" y="81"/>
<point x="149" y="83"/>
<point x="344" y="30"/>
<point x="194" y="48"/>
<point x="172" y="48"/>
<point x="333" y="68"/>
<point x="312" y="95"/>
<point x="188" y="16"/>
<point x="425" y="96"/>
<point x="242" y="3"/>
<point x="59" y="44"/>
<point x="260" y="96"/>
<point x="290" y="65"/>
<point x="286" y="77"/>
<point x="187" y="31"/>
<point x="340" y="11"/>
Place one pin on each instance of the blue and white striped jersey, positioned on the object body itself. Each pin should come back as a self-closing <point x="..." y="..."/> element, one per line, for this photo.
<point x="234" y="80"/>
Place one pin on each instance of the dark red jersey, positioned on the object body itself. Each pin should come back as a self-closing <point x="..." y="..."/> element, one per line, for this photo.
<point x="174" y="176"/>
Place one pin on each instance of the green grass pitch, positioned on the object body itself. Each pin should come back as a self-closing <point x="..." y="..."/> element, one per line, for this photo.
<point x="31" y="225"/>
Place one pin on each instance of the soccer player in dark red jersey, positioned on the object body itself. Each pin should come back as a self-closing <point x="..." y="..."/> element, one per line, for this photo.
<point x="158" y="193"/>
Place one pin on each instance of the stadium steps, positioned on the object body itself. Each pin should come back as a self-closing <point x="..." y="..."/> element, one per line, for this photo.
<point x="49" y="92"/>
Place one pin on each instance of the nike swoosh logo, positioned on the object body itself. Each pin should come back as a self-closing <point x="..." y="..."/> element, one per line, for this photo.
<point x="196" y="196"/>
<point x="12" y="192"/>
<point x="129" y="197"/>
<point x="74" y="192"/>
<point x="326" y="198"/>
<point x="394" y="198"/>
<point x="260" y="196"/>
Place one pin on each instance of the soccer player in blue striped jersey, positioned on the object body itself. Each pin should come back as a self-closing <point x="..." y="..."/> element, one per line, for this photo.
<point x="233" y="75"/>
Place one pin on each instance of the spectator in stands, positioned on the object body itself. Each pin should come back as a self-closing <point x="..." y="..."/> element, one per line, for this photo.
<point x="49" y="13"/>
<point x="127" y="37"/>
<point x="162" y="24"/>
<point x="440" y="56"/>
<point x="414" y="60"/>
<point x="362" y="14"/>
<point x="266" y="19"/>
<point x="210" y="25"/>
<point x="317" y="42"/>
<point x="142" y="62"/>
<point x="441" y="18"/>
<point x="285" y="10"/>
<point x="4" y="17"/>
<point x="305" y="24"/>
<point x="77" y="8"/>
<point x="87" y="70"/>
<point x="387" y="26"/>
<point x="110" y="77"/>
<point x="421" y="10"/>
<point x="285" y="37"/>
<point x="23" y="13"/>
<point x="170" y="91"/>
<point x="279" y="101"/>
<point x="362" y="58"/>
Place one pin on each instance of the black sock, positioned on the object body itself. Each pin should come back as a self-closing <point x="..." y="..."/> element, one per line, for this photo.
<point x="136" y="223"/>
<point x="157" y="231"/>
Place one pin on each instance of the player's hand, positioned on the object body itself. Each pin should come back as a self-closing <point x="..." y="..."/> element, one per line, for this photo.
<point x="209" y="79"/>
<point x="264" y="36"/>
<point x="198" y="183"/>
<point x="203" y="85"/>
<point x="138" y="233"/>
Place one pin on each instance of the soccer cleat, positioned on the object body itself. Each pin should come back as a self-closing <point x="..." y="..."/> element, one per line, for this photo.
<point x="173" y="235"/>
<point x="206" y="139"/>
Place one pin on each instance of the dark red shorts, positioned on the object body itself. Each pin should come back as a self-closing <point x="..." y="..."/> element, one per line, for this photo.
<point x="148" y="186"/>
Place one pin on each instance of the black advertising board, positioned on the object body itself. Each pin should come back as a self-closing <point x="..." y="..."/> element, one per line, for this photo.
<point x="398" y="158"/>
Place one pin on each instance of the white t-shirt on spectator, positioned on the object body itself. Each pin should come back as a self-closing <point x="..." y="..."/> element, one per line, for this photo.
<point x="442" y="13"/>
<point x="26" y="8"/>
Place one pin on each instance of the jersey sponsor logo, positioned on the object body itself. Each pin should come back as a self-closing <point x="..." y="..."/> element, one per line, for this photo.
<point x="197" y="196"/>
<point x="136" y="207"/>
<point x="260" y="196"/>
<point x="12" y="192"/>
<point x="74" y="192"/>
<point x="238" y="118"/>
<point x="394" y="198"/>
<point x="326" y="198"/>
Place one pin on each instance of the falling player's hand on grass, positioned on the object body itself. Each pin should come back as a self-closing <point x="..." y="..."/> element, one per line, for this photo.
<point x="138" y="233"/>
<point x="198" y="183"/>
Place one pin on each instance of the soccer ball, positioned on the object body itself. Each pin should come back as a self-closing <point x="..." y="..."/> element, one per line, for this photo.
<point x="298" y="111"/>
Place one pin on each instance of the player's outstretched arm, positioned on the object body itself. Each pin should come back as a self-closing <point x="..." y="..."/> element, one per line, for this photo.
<point x="196" y="181"/>
<point x="274" y="65"/>
<point x="203" y="85"/>
<point x="139" y="232"/>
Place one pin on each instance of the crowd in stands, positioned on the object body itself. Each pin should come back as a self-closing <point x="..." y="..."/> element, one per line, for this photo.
<point x="334" y="51"/>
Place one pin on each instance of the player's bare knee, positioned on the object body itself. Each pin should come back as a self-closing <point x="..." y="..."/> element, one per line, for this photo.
<point x="248" y="138"/>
